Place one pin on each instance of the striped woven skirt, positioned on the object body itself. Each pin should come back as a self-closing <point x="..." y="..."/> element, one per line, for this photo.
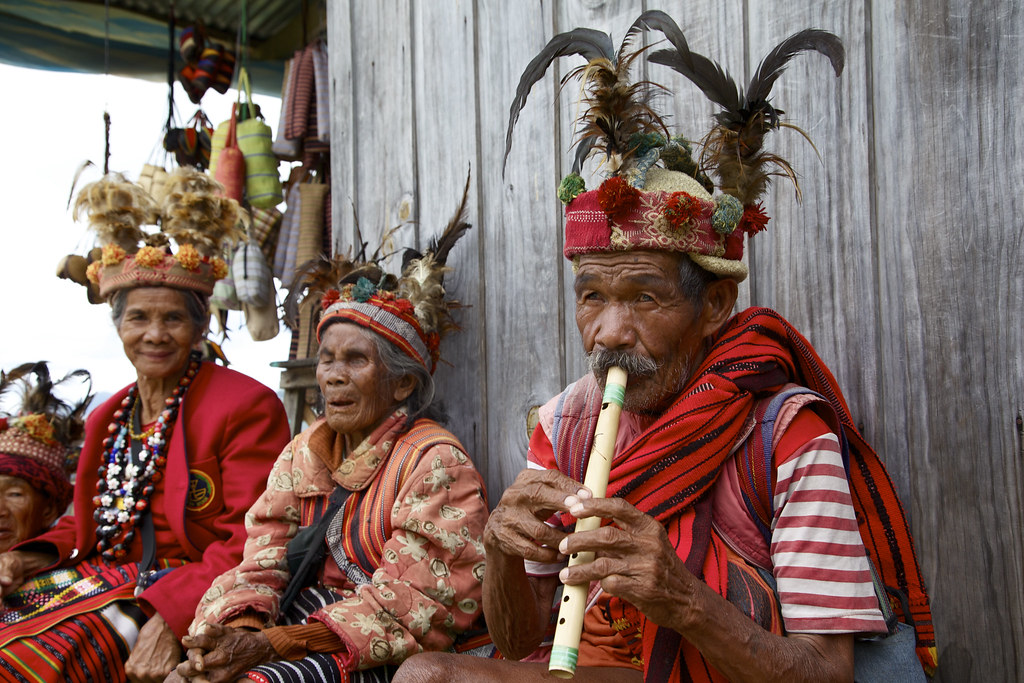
<point x="71" y="624"/>
<point x="316" y="667"/>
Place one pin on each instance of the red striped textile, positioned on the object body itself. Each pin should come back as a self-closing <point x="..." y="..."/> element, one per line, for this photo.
<point x="300" y="94"/>
<point x="668" y="470"/>
<point x="83" y="648"/>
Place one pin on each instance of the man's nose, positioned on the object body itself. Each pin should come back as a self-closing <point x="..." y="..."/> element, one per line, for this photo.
<point x="615" y="330"/>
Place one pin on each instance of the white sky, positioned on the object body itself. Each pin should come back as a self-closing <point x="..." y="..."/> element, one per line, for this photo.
<point x="57" y="123"/>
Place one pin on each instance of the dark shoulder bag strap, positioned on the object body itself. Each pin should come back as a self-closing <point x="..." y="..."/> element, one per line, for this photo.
<point x="306" y="550"/>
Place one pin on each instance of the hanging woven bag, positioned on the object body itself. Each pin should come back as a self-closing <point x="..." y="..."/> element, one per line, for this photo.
<point x="254" y="283"/>
<point x="230" y="168"/>
<point x="262" y="181"/>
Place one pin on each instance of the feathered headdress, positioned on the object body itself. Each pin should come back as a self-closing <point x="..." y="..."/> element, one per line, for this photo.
<point x="193" y="216"/>
<point x="411" y="310"/>
<point x="39" y="439"/>
<point x="657" y="197"/>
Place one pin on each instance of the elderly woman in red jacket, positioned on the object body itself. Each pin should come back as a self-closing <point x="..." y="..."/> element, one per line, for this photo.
<point x="168" y="468"/>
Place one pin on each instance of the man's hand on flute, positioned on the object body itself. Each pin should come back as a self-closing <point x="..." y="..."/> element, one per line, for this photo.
<point x="516" y="527"/>
<point x="634" y="560"/>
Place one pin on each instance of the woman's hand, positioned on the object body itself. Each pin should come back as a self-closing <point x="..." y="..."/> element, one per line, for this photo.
<point x="223" y="654"/>
<point x="155" y="654"/>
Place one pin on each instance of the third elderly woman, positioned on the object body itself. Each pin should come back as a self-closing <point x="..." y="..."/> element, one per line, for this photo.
<point x="402" y="559"/>
<point x="169" y="464"/>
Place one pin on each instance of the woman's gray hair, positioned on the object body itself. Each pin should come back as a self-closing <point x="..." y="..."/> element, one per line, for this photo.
<point x="196" y="305"/>
<point x="420" y="402"/>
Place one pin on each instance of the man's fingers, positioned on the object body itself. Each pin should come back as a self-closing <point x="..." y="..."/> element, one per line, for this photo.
<point x="541" y="491"/>
<point x="537" y="542"/>
<point x="615" y="509"/>
<point x="598" y="570"/>
<point x="195" y="658"/>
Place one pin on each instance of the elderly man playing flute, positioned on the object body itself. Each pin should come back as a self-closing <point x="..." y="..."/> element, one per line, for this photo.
<point x="741" y="496"/>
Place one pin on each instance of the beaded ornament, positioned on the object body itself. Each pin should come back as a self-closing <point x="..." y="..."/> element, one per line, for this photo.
<point x="124" y="487"/>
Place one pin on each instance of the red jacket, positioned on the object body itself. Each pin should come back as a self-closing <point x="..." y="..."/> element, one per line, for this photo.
<point x="227" y="435"/>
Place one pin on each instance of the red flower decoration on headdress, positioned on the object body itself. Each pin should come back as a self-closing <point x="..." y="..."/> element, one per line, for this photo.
<point x="617" y="197"/>
<point x="682" y="209"/>
<point x="754" y="219"/>
<point x="330" y="297"/>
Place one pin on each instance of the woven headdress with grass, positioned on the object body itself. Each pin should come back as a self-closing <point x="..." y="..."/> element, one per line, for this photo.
<point x="193" y="216"/>
<point x="40" y="436"/>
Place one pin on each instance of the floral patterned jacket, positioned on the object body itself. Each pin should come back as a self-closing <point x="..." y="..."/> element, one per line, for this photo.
<point x="427" y="587"/>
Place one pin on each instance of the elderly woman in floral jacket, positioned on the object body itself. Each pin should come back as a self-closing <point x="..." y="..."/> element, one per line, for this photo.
<point x="399" y="564"/>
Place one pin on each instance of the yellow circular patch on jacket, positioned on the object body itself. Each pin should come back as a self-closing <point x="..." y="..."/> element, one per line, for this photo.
<point x="200" y="491"/>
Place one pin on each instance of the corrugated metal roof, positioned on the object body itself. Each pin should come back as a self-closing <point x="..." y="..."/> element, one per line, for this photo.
<point x="132" y="39"/>
<point x="268" y="21"/>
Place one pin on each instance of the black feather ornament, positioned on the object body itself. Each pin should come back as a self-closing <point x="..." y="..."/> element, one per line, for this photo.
<point x="616" y="110"/>
<point x="734" y="146"/>
<point x="36" y="388"/>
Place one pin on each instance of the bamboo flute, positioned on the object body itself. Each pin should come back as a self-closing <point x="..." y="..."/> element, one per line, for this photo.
<point x="569" y="627"/>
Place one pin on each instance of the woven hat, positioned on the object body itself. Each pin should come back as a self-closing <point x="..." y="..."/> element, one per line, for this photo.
<point x="410" y="310"/>
<point x="193" y="216"/>
<point x="656" y="195"/>
<point x="38" y="440"/>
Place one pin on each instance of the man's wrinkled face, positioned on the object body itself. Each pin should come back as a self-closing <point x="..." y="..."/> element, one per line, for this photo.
<point x="630" y="304"/>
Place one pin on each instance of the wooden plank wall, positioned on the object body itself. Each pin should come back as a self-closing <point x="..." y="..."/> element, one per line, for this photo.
<point x="902" y="264"/>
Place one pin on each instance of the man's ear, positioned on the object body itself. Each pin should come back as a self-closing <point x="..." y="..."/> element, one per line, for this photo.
<point x="719" y="299"/>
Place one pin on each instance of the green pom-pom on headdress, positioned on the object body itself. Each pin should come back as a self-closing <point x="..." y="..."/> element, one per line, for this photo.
<point x="363" y="290"/>
<point x="677" y="155"/>
<point x="571" y="187"/>
<point x="728" y="212"/>
<point x="643" y="143"/>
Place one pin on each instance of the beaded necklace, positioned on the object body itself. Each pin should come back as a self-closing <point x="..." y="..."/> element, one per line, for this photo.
<point x="124" y="486"/>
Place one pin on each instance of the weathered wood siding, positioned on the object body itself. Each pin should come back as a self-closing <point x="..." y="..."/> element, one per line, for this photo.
<point x="902" y="264"/>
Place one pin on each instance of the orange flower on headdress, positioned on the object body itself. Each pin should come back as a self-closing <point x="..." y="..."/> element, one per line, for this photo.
<point x="149" y="257"/>
<point x="617" y="197"/>
<point x="113" y="254"/>
<point x="682" y="209"/>
<point x="219" y="268"/>
<point x="330" y="297"/>
<point x="38" y="427"/>
<point x="93" y="272"/>
<point x="188" y="257"/>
